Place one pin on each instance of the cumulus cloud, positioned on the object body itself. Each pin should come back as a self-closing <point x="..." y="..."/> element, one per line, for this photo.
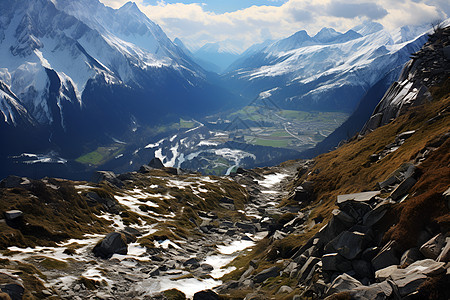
<point x="353" y="10"/>
<point x="195" y="25"/>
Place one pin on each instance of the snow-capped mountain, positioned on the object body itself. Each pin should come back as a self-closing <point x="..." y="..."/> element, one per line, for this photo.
<point x="329" y="71"/>
<point x="220" y="55"/>
<point x="77" y="71"/>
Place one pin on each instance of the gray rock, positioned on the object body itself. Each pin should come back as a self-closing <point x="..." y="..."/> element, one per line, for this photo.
<point x="410" y="283"/>
<point x="377" y="291"/>
<point x="114" y="242"/>
<point x="156" y="163"/>
<point x="348" y="244"/>
<point x="154" y="272"/>
<point x="108" y="176"/>
<point x="410" y="256"/>
<point x="374" y="216"/>
<point x="13" y="288"/>
<point x="355" y="209"/>
<point x="426" y="267"/>
<point x="267" y="273"/>
<point x="404" y="135"/>
<point x="207" y="267"/>
<point x="328" y="232"/>
<point x="343" y="283"/>
<point x="145" y="169"/>
<point x="307" y="267"/>
<point x="433" y="247"/>
<point x="445" y="253"/>
<point x="206" y="295"/>
<point x="359" y="197"/>
<point x="402" y="188"/>
<point x="335" y="262"/>
<point x="110" y="204"/>
<point x="362" y="268"/>
<point x="386" y="257"/>
<point x="246" y="227"/>
<point x="285" y="290"/>
<point x="388" y="182"/>
<point x="386" y="273"/>
<point x="13" y="214"/>
<point x="247" y="273"/>
<point x="192" y="263"/>
<point x="343" y="217"/>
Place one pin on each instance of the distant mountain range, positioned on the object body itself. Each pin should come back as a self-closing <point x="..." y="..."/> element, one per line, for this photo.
<point x="329" y="71"/>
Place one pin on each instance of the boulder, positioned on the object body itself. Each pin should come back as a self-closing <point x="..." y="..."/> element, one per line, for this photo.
<point x="343" y="283"/>
<point x="113" y="243"/>
<point x="192" y="263"/>
<point x="402" y="188"/>
<point x="343" y="217"/>
<point x="285" y="290"/>
<point x="348" y="244"/>
<point x="156" y="163"/>
<point x="404" y="135"/>
<point x="410" y="283"/>
<point x="386" y="257"/>
<point x="386" y="273"/>
<point x="355" y="209"/>
<point x="391" y="180"/>
<point x="11" y="215"/>
<point x="410" y="256"/>
<point x="207" y="267"/>
<point x="171" y="171"/>
<point x="433" y="247"/>
<point x="111" y="205"/>
<point x="359" y="197"/>
<point x="335" y="262"/>
<point x="377" y="291"/>
<point x="10" y="285"/>
<point x="206" y="295"/>
<point x="307" y="267"/>
<point x="145" y="169"/>
<point x="375" y="215"/>
<point x="426" y="267"/>
<point x="328" y="232"/>
<point x="267" y="273"/>
<point x="107" y="176"/>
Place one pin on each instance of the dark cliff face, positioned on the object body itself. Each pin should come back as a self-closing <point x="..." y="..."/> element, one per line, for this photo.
<point x="429" y="67"/>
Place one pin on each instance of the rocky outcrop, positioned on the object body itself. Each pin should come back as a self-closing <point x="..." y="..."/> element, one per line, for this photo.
<point x="113" y="243"/>
<point x="429" y="67"/>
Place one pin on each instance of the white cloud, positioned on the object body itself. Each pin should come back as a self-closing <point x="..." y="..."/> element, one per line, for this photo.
<point x="196" y="26"/>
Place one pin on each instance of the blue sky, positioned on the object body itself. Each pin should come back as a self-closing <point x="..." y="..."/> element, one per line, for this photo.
<point x="238" y="24"/>
<point x="223" y="6"/>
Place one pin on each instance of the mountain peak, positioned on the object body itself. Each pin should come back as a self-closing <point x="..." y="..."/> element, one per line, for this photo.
<point x="368" y="28"/>
<point x="130" y="6"/>
<point x="326" y="34"/>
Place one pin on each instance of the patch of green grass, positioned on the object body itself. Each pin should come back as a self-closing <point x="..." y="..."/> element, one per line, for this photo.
<point x="101" y="155"/>
<point x="271" y="143"/>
